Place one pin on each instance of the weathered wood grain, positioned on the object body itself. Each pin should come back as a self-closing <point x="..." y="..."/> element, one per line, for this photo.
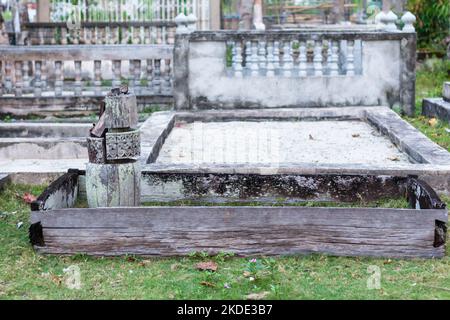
<point x="121" y="111"/>
<point x="4" y="179"/>
<point x="113" y="185"/>
<point x="170" y="231"/>
<point x="62" y="193"/>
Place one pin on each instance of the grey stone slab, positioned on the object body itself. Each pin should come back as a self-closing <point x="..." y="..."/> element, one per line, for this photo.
<point x="436" y="107"/>
<point x="446" y="91"/>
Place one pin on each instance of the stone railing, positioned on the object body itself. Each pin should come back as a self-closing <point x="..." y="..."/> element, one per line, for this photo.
<point x="157" y="32"/>
<point x="313" y="67"/>
<point x="31" y="76"/>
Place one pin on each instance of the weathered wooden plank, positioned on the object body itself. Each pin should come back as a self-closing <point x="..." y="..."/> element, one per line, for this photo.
<point x="243" y="230"/>
<point x="113" y="185"/>
<point x="4" y="179"/>
<point x="62" y="193"/>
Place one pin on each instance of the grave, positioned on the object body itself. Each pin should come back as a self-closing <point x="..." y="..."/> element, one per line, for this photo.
<point x="274" y="117"/>
<point x="438" y="107"/>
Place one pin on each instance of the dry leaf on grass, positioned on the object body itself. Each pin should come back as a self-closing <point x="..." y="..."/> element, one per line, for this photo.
<point x="206" y="266"/>
<point x="257" y="296"/>
<point x="208" y="284"/>
<point x="28" y="197"/>
<point x="432" y="122"/>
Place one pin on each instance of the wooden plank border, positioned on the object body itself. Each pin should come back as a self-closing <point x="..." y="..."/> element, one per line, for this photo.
<point x="246" y="231"/>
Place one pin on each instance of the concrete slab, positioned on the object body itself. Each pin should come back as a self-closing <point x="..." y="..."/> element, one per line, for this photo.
<point x="273" y="142"/>
<point x="446" y="91"/>
<point x="425" y="159"/>
<point x="436" y="107"/>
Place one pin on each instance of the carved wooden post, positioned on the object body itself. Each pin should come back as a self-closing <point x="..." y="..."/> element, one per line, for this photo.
<point x="113" y="173"/>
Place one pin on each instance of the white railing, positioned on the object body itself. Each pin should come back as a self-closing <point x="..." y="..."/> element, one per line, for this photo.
<point x="130" y="10"/>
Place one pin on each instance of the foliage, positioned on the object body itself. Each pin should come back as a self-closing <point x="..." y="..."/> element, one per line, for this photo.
<point x="433" y="22"/>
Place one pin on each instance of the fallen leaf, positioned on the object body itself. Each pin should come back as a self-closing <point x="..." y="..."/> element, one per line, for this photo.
<point x="144" y="263"/>
<point x="257" y="296"/>
<point x="19" y="224"/>
<point x="311" y="137"/>
<point x="388" y="261"/>
<point x="28" y="197"/>
<point x="394" y="158"/>
<point x="56" y="279"/>
<point x="208" y="284"/>
<point x="174" y="266"/>
<point x="432" y="122"/>
<point x="247" y="274"/>
<point x="356" y="135"/>
<point x="206" y="266"/>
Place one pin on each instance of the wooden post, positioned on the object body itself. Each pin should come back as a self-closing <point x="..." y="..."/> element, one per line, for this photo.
<point x="43" y="10"/>
<point x="214" y="14"/>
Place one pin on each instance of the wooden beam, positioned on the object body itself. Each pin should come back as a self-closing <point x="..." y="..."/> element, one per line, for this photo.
<point x="245" y="231"/>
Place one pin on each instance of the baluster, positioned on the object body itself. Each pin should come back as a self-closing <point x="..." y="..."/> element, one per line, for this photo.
<point x="96" y="38"/>
<point x="168" y="76"/>
<point x="303" y="60"/>
<point x="137" y="77"/>
<point x="157" y="76"/>
<point x="131" y="79"/>
<point x="149" y="73"/>
<point x="76" y="36"/>
<point x="287" y="59"/>
<point x="37" y="78"/>
<point x="142" y="35"/>
<point x="125" y="35"/>
<point x="147" y="35"/>
<point x="171" y="36"/>
<point x="58" y="78"/>
<point x="117" y="73"/>
<point x="18" y="78"/>
<point x="108" y="35"/>
<point x="158" y="36"/>
<point x="63" y="35"/>
<point x="318" y="58"/>
<point x="98" y="77"/>
<point x="248" y="57"/>
<point x="254" y="58"/>
<point x="237" y="59"/>
<point x="270" y="60"/>
<point x="334" y="59"/>
<point x="41" y="37"/>
<point x="117" y="35"/>
<point x="85" y="36"/>
<point x="350" y="58"/>
<point x="44" y="75"/>
<point x="277" y="56"/>
<point x="163" y="35"/>
<point x="262" y="57"/>
<point x="26" y="76"/>
<point x="77" y="78"/>
<point x="2" y="86"/>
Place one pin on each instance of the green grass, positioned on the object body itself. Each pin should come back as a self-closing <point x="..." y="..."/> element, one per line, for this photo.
<point x="26" y="275"/>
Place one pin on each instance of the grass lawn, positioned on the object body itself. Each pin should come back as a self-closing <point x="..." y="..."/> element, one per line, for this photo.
<point x="25" y="275"/>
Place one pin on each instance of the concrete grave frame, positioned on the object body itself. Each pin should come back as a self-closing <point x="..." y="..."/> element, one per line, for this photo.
<point x="167" y="182"/>
<point x="202" y="78"/>
<point x="57" y="228"/>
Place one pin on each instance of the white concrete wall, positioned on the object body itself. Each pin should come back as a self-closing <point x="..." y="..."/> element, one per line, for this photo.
<point x="380" y="78"/>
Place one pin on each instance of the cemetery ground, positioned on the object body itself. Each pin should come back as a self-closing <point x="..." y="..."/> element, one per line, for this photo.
<point x="26" y="275"/>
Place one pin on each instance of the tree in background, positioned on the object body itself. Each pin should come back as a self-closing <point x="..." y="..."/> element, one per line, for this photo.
<point x="433" y="23"/>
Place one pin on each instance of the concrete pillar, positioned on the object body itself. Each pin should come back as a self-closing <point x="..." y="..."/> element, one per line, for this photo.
<point x="43" y="10"/>
<point x="214" y="8"/>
